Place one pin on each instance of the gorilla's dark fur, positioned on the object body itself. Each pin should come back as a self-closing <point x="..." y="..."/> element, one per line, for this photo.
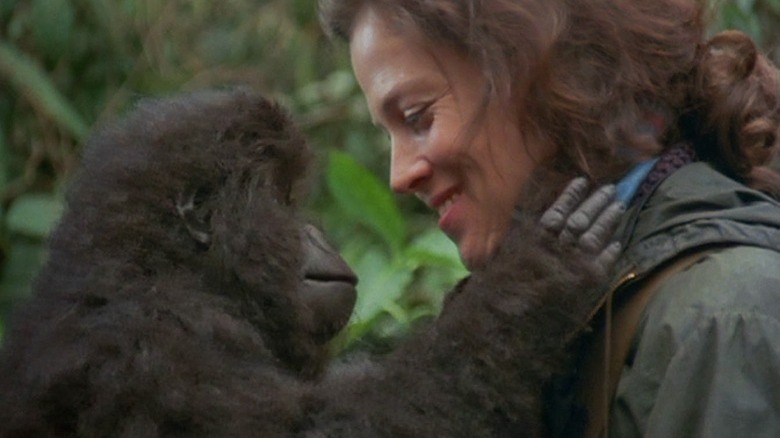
<point x="171" y="304"/>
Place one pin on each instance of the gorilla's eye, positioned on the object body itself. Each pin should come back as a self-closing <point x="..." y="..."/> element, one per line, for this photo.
<point x="268" y="152"/>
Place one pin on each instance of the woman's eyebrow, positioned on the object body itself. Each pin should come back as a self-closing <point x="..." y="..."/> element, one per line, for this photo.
<point x="390" y="100"/>
<point x="386" y="105"/>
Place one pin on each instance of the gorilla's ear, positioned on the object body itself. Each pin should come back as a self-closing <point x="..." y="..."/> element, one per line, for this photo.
<point x="195" y="214"/>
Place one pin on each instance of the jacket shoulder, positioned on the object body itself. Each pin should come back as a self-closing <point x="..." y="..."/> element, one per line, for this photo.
<point x="713" y="329"/>
<point x="734" y="279"/>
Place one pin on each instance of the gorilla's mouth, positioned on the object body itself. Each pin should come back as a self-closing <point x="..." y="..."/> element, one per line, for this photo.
<point x="331" y="298"/>
<point x="328" y="285"/>
<point x="333" y="276"/>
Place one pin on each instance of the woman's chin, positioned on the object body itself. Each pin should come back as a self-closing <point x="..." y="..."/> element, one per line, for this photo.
<point x="475" y="253"/>
<point x="472" y="258"/>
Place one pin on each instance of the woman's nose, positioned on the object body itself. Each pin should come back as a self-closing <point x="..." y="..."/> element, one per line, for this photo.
<point x="408" y="169"/>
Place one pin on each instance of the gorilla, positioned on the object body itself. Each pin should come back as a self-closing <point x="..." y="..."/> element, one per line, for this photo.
<point x="184" y="295"/>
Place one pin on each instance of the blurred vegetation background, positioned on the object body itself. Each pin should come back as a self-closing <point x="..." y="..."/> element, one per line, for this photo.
<point x="66" y="65"/>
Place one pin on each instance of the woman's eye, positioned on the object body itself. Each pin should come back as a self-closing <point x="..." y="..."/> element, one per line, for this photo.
<point x="419" y="119"/>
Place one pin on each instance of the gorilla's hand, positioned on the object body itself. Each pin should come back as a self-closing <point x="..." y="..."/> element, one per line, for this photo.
<point x="588" y="221"/>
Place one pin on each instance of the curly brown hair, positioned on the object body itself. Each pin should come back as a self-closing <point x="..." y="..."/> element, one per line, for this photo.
<point x="591" y="75"/>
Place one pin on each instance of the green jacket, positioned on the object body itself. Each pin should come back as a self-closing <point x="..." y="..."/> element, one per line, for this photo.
<point x="705" y="361"/>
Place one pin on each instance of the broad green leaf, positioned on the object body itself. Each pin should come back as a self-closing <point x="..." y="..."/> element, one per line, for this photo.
<point x="385" y="289"/>
<point x="434" y="248"/>
<point x="52" y="25"/>
<point x="365" y="199"/>
<point x="34" y="215"/>
<point x="381" y="284"/>
<point x="31" y="81"/>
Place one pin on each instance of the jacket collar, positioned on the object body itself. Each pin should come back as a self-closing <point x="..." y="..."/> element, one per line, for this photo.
<point x="694" y="207"/>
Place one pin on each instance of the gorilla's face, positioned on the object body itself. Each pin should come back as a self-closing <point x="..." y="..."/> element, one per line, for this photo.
<point x="239" y="204"/>
<point x="258" y="236"/>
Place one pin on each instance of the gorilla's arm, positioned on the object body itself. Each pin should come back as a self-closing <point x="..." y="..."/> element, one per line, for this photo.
<point x="479" y="370"/>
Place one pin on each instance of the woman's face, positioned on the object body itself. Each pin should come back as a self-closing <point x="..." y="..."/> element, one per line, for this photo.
<point x="466" y="161"/>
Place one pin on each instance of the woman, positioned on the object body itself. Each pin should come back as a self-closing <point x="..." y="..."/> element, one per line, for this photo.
<point x="494" y="104"/>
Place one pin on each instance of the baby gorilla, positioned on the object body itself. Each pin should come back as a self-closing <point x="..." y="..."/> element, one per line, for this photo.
<point x="183" y="296"/>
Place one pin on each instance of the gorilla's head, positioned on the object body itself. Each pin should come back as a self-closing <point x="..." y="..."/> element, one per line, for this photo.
<point x="210" y="182"/>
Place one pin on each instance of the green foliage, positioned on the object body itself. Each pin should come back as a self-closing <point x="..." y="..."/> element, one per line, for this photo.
<point x="34" y="214"/>
<point x="29" y="79"/>
<point x="759" y="18"/>
<point x="52" y="26"/>
<point x="739" y="14"/>
<point x="68" y="64"/>
<point x="365" y="199"/>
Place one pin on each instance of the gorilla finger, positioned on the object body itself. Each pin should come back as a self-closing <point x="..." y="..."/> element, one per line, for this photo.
<point x="606" y="260"/>
<point x="589" y="210"/>
<point x="601" y="231"/>
<point x="566" y="237"/>
<point x="554" y="217"/>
